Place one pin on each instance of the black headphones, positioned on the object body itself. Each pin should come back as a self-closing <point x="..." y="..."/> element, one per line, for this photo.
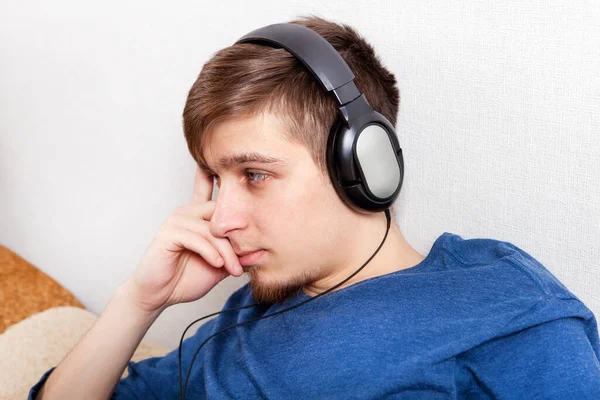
<point x="364" y="157"/>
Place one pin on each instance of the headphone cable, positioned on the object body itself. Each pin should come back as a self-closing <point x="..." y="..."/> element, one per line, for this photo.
<point x="182" y="394"/>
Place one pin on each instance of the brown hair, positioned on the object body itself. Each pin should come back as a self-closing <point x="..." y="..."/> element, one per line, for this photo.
<point x="244" y="80"/>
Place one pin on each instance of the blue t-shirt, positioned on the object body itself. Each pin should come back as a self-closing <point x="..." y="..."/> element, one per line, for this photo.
<point x="477" y="318"/>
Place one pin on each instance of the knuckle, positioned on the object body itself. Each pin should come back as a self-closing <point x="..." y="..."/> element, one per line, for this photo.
<point x="173" y="219"/>
<point x="180" y="210"/>
<point x="208" y="205"/>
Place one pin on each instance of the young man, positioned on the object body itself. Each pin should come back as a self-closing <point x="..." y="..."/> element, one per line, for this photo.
<point x="475" y="318"/>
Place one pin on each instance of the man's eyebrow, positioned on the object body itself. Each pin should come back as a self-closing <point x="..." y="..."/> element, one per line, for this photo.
<point x="227" y="162"/>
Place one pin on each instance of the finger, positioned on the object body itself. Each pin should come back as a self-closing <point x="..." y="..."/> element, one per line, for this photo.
<point x="223" y="246"/>
<point x="178" y="239"/>
<point x="201" y="211"/>
<point x="203" y="186"/>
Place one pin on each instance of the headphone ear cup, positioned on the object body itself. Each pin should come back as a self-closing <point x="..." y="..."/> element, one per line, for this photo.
<point x="343" y="172"/>
<point x="330" y="156"/>
<point x="340" y="166"/>
<point x="344" y="145"/>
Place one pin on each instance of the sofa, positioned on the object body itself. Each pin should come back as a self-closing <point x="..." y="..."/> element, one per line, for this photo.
<point x="40" y="322"/>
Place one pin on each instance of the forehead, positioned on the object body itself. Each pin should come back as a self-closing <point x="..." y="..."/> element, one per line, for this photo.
<point x="249" y="140"/>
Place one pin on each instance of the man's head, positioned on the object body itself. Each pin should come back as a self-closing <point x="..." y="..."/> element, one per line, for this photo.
<point x="251" y="99"/>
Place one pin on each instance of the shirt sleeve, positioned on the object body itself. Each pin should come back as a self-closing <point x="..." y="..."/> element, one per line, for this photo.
<point x="33" y="392"/>
<point x="558" y="359"/>
<point x="157" y="378"/>
<point x="154" y="378"/>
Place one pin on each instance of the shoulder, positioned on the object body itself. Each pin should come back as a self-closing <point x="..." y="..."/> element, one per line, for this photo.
<point x="499" y="290"/>
<point x="495" y="279"/>
<point x="507" y="264"/>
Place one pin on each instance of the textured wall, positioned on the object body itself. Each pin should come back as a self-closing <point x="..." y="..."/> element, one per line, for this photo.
<point x="499" y="122"/>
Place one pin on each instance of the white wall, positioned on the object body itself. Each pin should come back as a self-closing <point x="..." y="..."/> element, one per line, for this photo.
<point x="499" y="122"/>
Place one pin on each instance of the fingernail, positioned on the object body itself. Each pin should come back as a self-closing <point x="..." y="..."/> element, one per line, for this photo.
<point x="220" y="261"/>
<point x="238" y="268"/>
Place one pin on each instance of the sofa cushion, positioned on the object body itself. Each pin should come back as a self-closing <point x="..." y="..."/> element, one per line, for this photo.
<point x="39" y="342"/>
<point x="25" y="290"/>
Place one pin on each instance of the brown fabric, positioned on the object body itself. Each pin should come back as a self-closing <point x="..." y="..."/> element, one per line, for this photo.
<point x="25" y="290"/>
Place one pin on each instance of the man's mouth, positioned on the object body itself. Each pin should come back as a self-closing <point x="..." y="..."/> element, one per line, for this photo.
<point x="248" y="259"/>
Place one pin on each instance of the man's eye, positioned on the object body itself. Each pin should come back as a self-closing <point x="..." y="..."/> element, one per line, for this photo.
<point x="262" y="177"/>
<point x="254" y="177"/>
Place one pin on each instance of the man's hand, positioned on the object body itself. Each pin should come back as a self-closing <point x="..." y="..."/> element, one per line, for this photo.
<point x="184" y="261"/>
<point x="181" y="265"/>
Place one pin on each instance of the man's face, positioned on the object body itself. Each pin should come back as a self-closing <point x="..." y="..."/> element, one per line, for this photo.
<point x="289" y="209"/>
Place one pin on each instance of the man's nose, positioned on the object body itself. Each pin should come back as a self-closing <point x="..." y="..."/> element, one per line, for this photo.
<point x="228" y="214"/>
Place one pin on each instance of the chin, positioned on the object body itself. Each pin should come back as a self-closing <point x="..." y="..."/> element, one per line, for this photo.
<point x="269" y="290"/>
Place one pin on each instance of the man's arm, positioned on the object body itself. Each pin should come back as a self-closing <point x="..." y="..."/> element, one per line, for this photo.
<point x="93" y="368"/>
<point x="556" y="359"/>
<point x="182" y="264"/>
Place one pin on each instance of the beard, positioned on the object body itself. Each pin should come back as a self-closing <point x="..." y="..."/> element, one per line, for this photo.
<point x="267" y="291"/>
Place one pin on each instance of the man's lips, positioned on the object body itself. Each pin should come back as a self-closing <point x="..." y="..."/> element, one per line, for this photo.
<point x="243" y="253"/>
<point x="250" y="258"/>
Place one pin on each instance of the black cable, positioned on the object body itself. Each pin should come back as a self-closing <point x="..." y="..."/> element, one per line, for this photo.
<point x="182" y="394"/>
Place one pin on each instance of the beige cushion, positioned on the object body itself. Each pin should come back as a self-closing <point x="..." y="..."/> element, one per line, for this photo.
<point x="39" y="342"/>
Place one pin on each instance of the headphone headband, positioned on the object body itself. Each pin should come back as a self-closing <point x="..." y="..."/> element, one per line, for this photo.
<point x="316" y="53"/>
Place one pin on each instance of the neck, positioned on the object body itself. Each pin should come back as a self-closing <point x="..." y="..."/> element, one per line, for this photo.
<point x="394" y="255"/>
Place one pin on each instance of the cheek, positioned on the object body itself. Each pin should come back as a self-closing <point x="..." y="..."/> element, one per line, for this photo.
<point x="286" y="210"/>
<point x="305" y="210"/>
